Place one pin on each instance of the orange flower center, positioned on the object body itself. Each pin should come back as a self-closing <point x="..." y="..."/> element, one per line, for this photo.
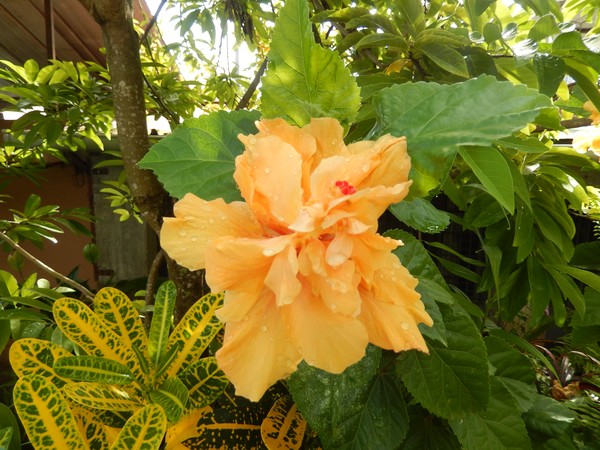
<point x="345" y="187"/>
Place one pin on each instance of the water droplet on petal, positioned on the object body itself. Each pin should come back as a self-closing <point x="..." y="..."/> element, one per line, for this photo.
<point x="404" y="326"/>
<point x="365" y="168"/>
<point x="194" y="238"/>
<point x="333" y="307"/>
<point x="288" y="362"/>
<point x="269" y="252"/>
<point x="267" y="170"/>
<point x="182" y="233"/>
<point x="264" y="328"/>
<point x="211" y="220"/>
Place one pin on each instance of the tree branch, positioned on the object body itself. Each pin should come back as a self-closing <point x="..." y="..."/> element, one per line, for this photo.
<point x="250" y="91"/>
<point x="87" y="294"/>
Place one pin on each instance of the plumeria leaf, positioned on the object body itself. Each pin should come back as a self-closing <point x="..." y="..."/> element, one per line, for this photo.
<point x="452" y="380"/>
<point x="436" y="119"/>
<point x="304" y="80"/>
<point x="351" y="409"/>
<point x="421" y="215"/>
<point x="199" y="156"/>
<point x="499" y="427"/>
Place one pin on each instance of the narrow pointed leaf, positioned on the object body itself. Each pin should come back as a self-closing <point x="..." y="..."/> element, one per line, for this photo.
<point x="5" y="437"/>
<point x="143" y="431"/>
<point x="161" y="321"/>
<point x="284" y="427"/>
<point x="93" y="368"/>
<point x="304" y="80"/>
<point x="8" y="420"/>
<point x="195" y="331"/>
<point x="492" y="170"/>
<point x="45" y="415"/>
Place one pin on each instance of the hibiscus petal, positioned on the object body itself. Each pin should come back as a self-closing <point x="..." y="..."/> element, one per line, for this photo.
<point x="325" y="339"/>
<point x="329" y="136"/>
<point x="237" y="305"/>
<point x="269" y="175"/>
<point x="256" y="353"/>
<point x="339" y="250"/>
<point x="390" y="326"/>
<point x="281" y="278"/>
<point x="197" y="222"/>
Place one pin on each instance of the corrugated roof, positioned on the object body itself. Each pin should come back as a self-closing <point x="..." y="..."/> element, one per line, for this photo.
<point x="25" y="27"/>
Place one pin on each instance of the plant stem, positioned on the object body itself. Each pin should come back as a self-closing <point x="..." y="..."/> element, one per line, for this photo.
<point x="87" y="294"/>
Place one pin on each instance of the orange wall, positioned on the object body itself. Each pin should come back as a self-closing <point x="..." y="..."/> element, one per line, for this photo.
<point x="61" y="186"/>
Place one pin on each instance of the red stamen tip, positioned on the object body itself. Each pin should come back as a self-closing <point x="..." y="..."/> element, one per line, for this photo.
<point x="345" y="187"/>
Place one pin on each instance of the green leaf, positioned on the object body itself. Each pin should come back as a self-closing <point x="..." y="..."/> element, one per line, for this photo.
<point x="143" y="430"/>
<point x="549" y="417"/>
<point x="102" y="396"/>
<point x="8" y="421"/>
<point x="421" y="215"/>
<point x="199" y="156"/>
<point x="161" y="321"/>
<point x="351" y="410"/>
<point x="304" y="80"/>
<point x="452" y="380"/>
<point x="436" y="119"/>
<point x="45" y="414"/>
<point x="498" y="427"/>
<point x="428" y="432"/>
<point x="550" y="72"/>
<point x="446" y="58"/>
<point x="411" y="17"/>
<point x="539" y="283"/>
<point x="382" y="40"/>
<point x="491" y="168"/>
<point x="31" y="70"/>
<point x="93" y="368"/>
<point x="172" y="396"/>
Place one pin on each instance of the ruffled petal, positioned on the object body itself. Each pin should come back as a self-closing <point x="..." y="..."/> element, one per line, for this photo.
<point x="197" y="222"/>
<point x="256" y="353"/>
<point x="269" y="175"/>
<point x="282" y="277"/>
<point x="329" y="137"/>
<point x="390" y="326"/>
<point x="325" y="339"/>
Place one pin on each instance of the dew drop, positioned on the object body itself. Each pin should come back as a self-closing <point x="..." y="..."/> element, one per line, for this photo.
<point x="264" y="328"/>
<point x="269" y="252"/>
<point x="288" y="362"/>
<point x="333" y="307"/>
<point x="365" y="168"/>
<point x="211" y="220"/>
<point x="275" y="197"/>
<point x="182" y="233"/>
<point x="194" y="238"/>
<point x="404" y="326"/>
<point x="334" y="142"/>
<point x="267" y="170"/>
<point x="223" y="217"/>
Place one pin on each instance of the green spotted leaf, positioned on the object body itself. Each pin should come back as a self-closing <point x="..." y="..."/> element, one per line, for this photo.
<point x="80" y="324"/>
<point x="500" y="426"/>
<point x="199" y="156"/>
<point x="172" y="396"/>
<point x="195" y="331"/>
<point x="283" y="427"/>
<point x="144" y="430"/>
<point x="93" y="368"/>
<point x="104" y="396"/>
<point x="37" y="357"/>
<point x="45" y="414"/>
<point x="452" y="380"/>
<point x="8" y="421"/>
<point x="304" y="80"/>
<point x="116" y="309"/>
<point x="5" y="437"/>
<point x="162" y="318"/>
<point x="204" y="381"/>
<point x="436" y="119"/>
<point x="91" y="427"/>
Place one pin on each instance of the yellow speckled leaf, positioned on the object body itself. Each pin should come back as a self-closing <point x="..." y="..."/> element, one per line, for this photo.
<point x="80" y="324"/>
<point x="195" y="331"/>
<point x="205" y="382"/>
<point x="185" y="428"/>
<point x="35" y="356"/>
<point x="115" y="308"/>
<point x="284" y="427"/>
<point x="104" y="396"/>
<point x="45" y="414"/>
<point x="92" y="431"/>
<point x="143" y="431"/>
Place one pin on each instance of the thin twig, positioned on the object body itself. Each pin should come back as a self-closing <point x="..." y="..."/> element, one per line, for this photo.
<point x="153" y="275"/>
<point x="250" y="91"/>
<point x="152" y="21"/>
<point x="47" y="268"/>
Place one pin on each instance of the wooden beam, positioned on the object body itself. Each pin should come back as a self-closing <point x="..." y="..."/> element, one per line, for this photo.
<point x="49" y="19"/>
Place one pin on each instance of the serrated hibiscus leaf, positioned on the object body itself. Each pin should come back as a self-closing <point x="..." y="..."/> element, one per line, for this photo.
<point x="199" y="156"/>
<point x="303" y="79"/>
<point x="436" y="119"/>
<point x="453" y="379"/>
